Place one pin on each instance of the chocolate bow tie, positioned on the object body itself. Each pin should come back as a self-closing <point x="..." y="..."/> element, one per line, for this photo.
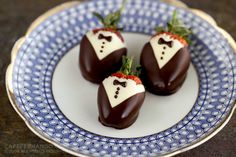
<point x="161" y="41"/>
<point x="116" y="83"/>
<point x="107" y="38"/>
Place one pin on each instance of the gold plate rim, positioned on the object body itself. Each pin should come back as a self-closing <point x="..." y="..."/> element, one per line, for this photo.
<point x="9" y="72"/>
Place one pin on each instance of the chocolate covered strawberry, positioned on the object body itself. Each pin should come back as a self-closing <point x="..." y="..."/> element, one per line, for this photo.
<point x="101" y="50"/>
<point x="120" y="97"/>
<point x="165" y="58"/>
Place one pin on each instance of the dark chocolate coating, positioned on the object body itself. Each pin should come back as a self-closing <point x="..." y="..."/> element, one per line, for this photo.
<point x="96" y="70"/>
<point x="121" y="116"/>
<point x="170" y="78"/>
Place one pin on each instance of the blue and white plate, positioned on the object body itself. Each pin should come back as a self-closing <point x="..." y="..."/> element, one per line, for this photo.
<point x="45" y="86"/>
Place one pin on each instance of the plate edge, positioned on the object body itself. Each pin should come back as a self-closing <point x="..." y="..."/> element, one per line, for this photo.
<point x="9" y="72"/>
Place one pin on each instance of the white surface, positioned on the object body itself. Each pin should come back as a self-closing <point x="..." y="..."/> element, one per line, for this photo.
<point x="124" y="93"/>
<point x="109" y="47"/>
<point x="169" y="52"/>
<point x="77" y="98"/>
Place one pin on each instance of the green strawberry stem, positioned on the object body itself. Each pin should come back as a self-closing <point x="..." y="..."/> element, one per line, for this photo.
<point x="112" y="19"/>
<point x="175" y="26"/>
<point x="138" y="70"/>
<point x="126" y="67"/>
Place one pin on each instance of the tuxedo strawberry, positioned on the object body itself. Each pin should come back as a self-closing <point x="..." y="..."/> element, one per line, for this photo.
<point x="101" y="50"/>
<point x="165" y="58"/>
<point x="120" y="97"/>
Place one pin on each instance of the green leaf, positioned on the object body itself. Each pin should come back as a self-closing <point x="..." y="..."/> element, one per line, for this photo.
<point x="176" y="26"/>
<point x="138" y="70"/>
<point x="99" y="16"/>
<point x="170" y="27"/>
<point x="127" y="63"/>
<point x="160" y="29"/>
<point x="107" y="20"/>
<point x="112" y="20"/>
<point x="123" y="5"/>
<point x="115" y="18"/>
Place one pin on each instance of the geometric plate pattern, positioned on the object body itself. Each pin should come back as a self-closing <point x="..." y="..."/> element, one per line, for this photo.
<point x="212" y="56"/>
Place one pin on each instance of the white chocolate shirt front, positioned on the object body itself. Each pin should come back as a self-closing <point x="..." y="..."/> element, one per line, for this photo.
<point x="124" y="93"/>
<point x="163" y="53"/>
<point x="103" y="47"/>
